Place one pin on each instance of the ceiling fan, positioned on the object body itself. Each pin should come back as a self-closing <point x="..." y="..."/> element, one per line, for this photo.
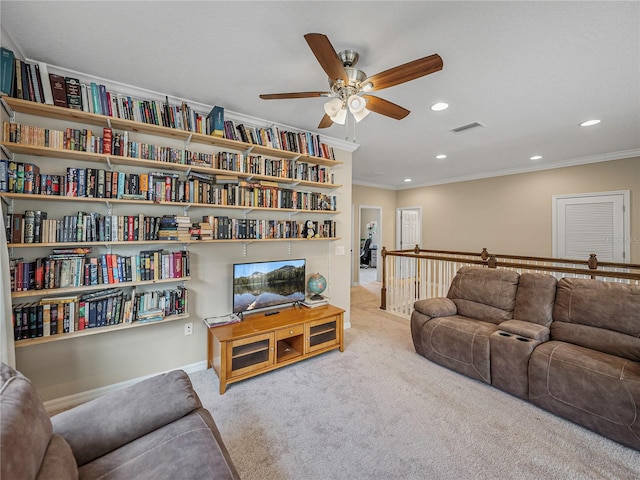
<point x="349" y="85"/>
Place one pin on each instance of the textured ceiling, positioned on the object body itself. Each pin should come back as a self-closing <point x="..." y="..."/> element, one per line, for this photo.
<point x="529" y="72"/>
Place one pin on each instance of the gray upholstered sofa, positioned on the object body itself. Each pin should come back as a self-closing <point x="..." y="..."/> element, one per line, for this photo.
<point x="155" y="429"/>
<point x="570" y="346"/>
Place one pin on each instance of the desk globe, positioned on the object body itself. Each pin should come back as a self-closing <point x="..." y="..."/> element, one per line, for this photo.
<point x="316" y="285"/>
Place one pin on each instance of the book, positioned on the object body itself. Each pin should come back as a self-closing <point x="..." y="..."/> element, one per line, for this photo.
<point x="7" y="65"/>
<point x="74" y="96"/>
<point x="58" y="90"/>
<point x="215" y="121"/>
<point x="46" y="83"/>
<point x="221" y="320"/>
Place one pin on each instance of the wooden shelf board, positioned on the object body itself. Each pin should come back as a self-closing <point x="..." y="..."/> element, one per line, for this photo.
<point x="94" y="331"/>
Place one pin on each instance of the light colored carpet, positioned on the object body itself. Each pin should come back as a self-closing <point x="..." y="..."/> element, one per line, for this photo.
<point x="380" y="411"/>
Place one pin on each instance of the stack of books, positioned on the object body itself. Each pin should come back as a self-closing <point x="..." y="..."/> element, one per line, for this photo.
<point x="175" y="227"/>
<point x="311" y="302"/>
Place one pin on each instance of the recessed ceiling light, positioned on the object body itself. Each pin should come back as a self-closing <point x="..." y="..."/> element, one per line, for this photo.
<point x="437" y="107"/>
<point x="407" y="179"/>
<point x="536" y="157"/>
<point x="588" y="123"/>
<point x="441" y="157"/>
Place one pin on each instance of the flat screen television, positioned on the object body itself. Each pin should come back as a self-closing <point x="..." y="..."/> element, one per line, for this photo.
<point x="266" y="285"/>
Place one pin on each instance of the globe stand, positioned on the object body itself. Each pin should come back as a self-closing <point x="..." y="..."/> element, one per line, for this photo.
<point x="316" y="296"/>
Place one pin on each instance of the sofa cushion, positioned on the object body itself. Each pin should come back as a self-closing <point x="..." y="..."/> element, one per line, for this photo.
<point x="484" y="293"/>
<point x="25" y="427"/>
<point x="459" y="343"/>
<point x="600" y="315"/>
<point x="159" y="400"/>
<point x="591" y="388"/>
<point x="535" y="298"/>
<point x="614" y="306"/>
<point x="168" y="452"/>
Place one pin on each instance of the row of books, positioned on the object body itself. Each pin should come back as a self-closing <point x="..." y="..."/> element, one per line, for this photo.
<point x="280" y="167"/>
<point x="33" y="226"/>
<point x="119" y="144"/>
<point x="111" y="143"/>
<point x="225" y="228"/>
<point x="59" y="315"/>
<point x="305" y="143"/>
<point x="161" y="187"/>
<point x="77" y="270"/>
<point x="31" y="81"/>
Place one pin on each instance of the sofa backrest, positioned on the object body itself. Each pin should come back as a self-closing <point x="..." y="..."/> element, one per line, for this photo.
<point x="535" y="298"/>
<point x="26" y="433"/>
<point x="486" y="294"/>
<point x="603" y="316"/>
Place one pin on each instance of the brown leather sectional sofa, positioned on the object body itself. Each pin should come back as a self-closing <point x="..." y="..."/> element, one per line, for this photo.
<point x="570" y="346"/>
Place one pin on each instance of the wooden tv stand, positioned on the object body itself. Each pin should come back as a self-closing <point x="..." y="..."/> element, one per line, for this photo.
<point x="265" y="341"/>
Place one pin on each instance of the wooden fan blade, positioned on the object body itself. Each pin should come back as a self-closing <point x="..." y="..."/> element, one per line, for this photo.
<point x="404" y="73"/>
<point x="280" y="96"/>
<point x="385" y="107"/>
<point x="327" y="56"/>
<point x="325" y="122"/>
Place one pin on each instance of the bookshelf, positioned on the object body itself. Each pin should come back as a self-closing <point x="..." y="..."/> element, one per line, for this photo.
<point x="253" y="166"/>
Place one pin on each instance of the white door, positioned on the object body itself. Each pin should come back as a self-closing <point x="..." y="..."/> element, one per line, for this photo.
<point x="409" y="233"/>
<point x="591" y="223"/>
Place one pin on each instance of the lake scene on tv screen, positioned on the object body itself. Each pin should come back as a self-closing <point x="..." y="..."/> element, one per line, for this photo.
<point x="262" y="285"/>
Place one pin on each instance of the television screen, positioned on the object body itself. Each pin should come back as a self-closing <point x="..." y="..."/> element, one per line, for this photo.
<point x="261" y="285"/>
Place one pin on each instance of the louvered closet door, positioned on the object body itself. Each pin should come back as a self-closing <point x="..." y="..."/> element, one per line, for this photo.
<point x="592" y="223"/>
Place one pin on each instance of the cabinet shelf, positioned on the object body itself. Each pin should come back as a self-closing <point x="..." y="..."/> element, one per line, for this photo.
<point x="52" y="111"/>
<point x="96" y="330"/>
<point x="102" y="158"/>
<point x="91" y="288"/>
<point x="261" y="343"/>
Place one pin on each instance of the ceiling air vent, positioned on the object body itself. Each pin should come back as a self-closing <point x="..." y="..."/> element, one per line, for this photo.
<point x="467" y="127"/>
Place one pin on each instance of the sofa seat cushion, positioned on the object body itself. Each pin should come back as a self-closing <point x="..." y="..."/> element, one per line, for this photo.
<point x="591" y="388"/>
<point x="168" y="453"/>
<point x="459" y="343"/>
<point x="484" y="294"/>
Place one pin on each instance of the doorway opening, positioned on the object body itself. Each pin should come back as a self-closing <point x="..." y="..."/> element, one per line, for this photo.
<point x="370" y="236"/>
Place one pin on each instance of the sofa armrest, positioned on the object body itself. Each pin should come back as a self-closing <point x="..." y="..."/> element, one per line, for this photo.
<point x="113" y="420"/>
<point x="436" y="307"/>
<point x="526" y="329"/>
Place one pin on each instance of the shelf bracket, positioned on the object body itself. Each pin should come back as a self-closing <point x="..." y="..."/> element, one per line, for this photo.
<point x="289" y="248"/>
<point x="188" y="172"/>
<point x="188" y="141"/>
<point x="108" y="122"/>
<point x="10" y="111"/>
<point x="296" y="158"/>
<point x="108" y="159"/>
<point x="244" y="249"/>
<point x="109" y="207"/>
<point x="248" y="150"/>
<point x="186" y="207"/>
<point x="7" y="153"/>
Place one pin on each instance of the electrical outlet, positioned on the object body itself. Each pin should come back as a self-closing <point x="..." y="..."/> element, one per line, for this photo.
<point x="339" y="249"/>
<point x="188" y="328"/>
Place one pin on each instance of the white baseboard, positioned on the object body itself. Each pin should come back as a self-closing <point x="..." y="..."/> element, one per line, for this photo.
<point x="64" y="403"/>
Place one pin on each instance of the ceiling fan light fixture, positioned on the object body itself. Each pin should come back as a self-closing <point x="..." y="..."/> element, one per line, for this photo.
<point x="356" y="104"/>
<point x="360" y="114"/>
<point x="336" y="111"/>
